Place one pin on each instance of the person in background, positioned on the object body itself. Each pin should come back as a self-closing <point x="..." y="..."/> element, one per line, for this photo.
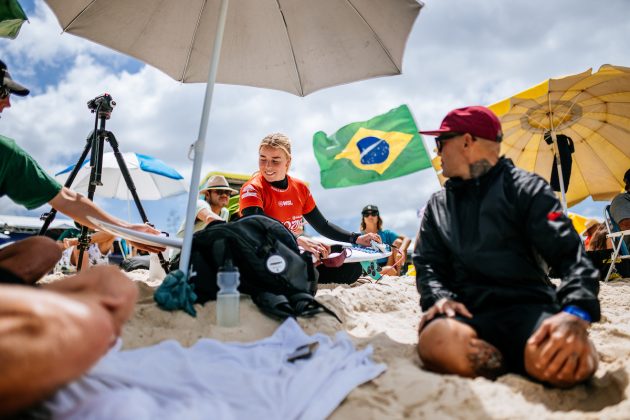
<point x="371" y="222"/>
<point x="274" y="193"/>
<point x="620" y="205"/>
<point x="53" y="333"/>
<point x="213" y="207"/>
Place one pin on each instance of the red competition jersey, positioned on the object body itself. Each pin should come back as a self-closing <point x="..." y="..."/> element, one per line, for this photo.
<point x="287" y="206"/>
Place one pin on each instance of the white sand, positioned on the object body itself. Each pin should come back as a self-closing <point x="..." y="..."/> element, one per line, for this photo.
<point x="385" y="315"/>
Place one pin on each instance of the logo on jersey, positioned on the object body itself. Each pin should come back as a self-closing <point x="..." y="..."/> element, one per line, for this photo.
<point x="285" y="203"/>
<point x="249" y="191"/>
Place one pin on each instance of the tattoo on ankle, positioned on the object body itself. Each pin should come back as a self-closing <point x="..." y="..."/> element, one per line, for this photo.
<point x="479" y="168"/>
<point x="486" y="360"/>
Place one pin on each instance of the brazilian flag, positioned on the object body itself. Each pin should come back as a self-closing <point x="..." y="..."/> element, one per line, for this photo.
<point x="12" y="17"/>
<point x="384" y="147"/>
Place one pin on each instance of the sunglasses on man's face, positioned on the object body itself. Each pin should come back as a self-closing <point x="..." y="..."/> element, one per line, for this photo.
<point x="439" y="141"/>
<point x="4" y="92"/>
<point x="222" y="192"/>
<point x="370" y="213"/>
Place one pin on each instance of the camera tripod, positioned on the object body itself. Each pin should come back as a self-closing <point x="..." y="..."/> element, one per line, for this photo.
<point x="102" y="106"/>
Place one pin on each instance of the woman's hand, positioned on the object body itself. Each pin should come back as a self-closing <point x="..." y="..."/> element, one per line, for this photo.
<point x="318" y="249"/>
<point x="366" y="240"/>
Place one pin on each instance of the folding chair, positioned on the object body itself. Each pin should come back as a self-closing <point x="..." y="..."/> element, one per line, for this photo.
<point x="616" y="235"/>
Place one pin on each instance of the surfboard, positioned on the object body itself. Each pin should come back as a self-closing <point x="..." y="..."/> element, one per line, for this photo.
<point x="135" y="236"/>
<point x="360" y="254"/>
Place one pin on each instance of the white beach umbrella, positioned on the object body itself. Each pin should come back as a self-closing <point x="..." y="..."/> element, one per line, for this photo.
<point x="298" y="46"/>
<point x="152" y="178"/>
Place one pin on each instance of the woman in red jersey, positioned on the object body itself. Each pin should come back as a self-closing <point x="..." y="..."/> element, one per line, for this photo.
<point x="276" y="194"/>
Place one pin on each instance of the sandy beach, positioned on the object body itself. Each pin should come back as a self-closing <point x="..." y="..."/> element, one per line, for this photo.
<point x="385" y="315"/>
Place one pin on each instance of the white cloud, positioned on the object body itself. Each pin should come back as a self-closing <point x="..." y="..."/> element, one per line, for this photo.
<point x="459" y="53"/>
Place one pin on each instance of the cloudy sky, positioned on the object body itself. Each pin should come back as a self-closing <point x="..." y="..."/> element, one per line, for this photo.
<point x="460" y="52"/>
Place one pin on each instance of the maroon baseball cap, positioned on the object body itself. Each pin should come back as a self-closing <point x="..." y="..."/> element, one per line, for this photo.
<point x="476" y="120"/>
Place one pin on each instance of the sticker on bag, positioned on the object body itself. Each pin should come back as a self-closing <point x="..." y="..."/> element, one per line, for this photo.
<point x="276" y="264"/>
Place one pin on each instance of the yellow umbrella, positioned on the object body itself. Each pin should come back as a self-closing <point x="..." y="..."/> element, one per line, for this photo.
<point x="593" y="109"/>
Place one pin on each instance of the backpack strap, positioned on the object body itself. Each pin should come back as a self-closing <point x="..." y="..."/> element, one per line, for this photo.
<point x="305" y="305"/>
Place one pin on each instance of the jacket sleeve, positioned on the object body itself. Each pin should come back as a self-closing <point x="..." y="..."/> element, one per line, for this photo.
<point x="552" y="235"/>
<point x="431" y="259"/>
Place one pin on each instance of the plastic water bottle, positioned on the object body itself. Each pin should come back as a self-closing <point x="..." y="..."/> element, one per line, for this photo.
<point x="228" y="296"/>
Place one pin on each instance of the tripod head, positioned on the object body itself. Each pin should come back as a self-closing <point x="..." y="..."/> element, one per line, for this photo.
<point x="103" y="105"/>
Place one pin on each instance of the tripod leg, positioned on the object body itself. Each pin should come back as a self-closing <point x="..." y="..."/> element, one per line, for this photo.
<point x="50" y="216"/>
<point x="98" y="139"/>
<point x="131" y="187"/>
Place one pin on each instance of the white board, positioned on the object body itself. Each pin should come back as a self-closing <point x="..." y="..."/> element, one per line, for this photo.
<point x="365" y="254"/>
<point x="135" y="236"/>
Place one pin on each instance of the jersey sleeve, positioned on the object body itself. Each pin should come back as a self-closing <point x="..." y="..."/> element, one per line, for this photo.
<point x="251" y="196"/>
<point x="309" y="201"/>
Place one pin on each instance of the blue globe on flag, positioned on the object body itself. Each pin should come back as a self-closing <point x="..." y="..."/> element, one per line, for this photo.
<point x="373" y="150"/>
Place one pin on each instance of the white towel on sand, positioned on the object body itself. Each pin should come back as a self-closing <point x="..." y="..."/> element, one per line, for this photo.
<point x="219" y="380"/>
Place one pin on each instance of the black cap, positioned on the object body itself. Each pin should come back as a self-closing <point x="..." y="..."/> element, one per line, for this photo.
<point x="626" y="176"/>
<point x="369" y="208"/>
<point x="10" y="84"/>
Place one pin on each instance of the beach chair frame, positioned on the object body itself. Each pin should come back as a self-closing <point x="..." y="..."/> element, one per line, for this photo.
<point x="616" y="235"/>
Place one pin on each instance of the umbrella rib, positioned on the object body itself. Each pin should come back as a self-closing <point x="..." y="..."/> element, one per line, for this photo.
<point x="192" y="40"/>
<point x="378" y="39"/>
<point x="286" y="28"/>
<point x="78" y="15"/>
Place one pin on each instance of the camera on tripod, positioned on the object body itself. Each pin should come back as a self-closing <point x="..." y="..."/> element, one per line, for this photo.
<point x="103" y="104"/>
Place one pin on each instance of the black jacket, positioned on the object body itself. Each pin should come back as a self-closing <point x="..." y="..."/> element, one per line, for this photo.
<point x="487" y="242"/>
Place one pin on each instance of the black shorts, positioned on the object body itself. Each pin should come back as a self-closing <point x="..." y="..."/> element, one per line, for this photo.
<point x="7" y="277"/>
<point x="509" y="328"/>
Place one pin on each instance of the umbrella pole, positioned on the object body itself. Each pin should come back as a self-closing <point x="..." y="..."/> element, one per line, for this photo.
<point x="199" y="145"/>
<point x="556" y="153"/>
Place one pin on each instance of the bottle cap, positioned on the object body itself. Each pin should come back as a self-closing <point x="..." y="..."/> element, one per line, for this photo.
<point x="229" y="266"/>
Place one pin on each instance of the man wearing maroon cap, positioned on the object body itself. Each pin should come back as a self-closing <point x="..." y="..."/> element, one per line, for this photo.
<point x="482" y="256"/>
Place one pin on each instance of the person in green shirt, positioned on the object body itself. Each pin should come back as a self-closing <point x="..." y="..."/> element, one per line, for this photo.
<point x="53" y="333"/>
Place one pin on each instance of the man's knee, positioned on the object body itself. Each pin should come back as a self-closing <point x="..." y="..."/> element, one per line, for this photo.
<point x="450" y="346"/>
<point x="31" y="258"/>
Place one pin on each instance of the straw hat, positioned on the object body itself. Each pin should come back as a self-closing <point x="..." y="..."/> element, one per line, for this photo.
<point x="217" y="182"/>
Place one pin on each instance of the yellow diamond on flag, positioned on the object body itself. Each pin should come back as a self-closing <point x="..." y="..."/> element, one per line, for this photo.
<point x="374" y="150"/>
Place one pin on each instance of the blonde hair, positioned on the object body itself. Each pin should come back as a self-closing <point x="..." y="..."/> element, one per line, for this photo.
<point x="278" y="141"/>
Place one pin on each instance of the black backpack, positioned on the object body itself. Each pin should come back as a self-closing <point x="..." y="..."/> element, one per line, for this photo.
<point x="281" y="281"/>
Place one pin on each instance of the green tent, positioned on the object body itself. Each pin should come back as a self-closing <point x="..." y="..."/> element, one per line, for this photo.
<point x="12" y="17"/>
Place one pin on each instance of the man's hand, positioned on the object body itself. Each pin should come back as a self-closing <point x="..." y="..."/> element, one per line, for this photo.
<point x="561" y="348"/>
<point x="445" y="306"/>
<point x="318" y="249"/>
<point x="146" y="229"/>
<point x="366" y="240"/>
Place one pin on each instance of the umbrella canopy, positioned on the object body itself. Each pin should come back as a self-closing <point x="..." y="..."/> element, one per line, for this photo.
<point x="298" y="46"/>
<point x="152" y="177"/>
<point x="593" y="110"/>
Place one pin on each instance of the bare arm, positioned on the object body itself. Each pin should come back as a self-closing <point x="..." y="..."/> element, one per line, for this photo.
<point x="79" y="207"/>
<point x="208" y="216"/>
<point x="47" y="339"/>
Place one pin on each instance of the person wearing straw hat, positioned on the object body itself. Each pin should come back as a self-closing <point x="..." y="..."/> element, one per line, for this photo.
<point x="481" y="260"/>
<point x="52" y="334"/>
<point x="213" y="207"/>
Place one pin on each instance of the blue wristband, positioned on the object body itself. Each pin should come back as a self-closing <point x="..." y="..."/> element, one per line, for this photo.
<point x="580" y="313"/>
